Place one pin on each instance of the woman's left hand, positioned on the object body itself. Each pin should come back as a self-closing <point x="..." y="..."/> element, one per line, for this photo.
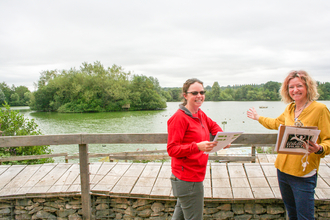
<point x="228" y="146"/>
<point x="313" y="147"/>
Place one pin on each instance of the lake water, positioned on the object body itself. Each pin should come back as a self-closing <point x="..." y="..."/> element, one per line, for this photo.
<point x="231" y="116"/>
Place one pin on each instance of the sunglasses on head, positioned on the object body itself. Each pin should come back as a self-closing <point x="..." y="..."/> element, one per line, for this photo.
<point x="196" y="93"/>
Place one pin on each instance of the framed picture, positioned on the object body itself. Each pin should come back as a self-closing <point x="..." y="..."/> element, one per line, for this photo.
<point x="292" y="139"/>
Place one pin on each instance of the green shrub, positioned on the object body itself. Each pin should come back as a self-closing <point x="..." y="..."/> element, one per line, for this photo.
<point x="14" y="124"/>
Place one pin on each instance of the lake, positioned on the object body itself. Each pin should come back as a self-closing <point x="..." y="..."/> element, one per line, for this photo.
<point x="231" y="116"/>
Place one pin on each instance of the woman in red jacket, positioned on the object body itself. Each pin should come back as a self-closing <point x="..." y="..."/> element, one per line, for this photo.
<point x="188" y="138"/>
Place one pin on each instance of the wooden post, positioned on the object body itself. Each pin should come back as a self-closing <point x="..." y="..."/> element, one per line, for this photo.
<point x="253" y="153"/>
<point x="84" y="181"/>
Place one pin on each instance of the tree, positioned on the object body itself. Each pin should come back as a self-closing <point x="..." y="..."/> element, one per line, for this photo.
<point x="14" y="124"/>
<point x="94" y="88"/>
<point x="14" y="98"/>
<point x="324" y="91"/>
<point x="6" y="91"/>
<point x="2" y="97"/>
<point x="144" y="95"/>
<point x="215" y="92"/>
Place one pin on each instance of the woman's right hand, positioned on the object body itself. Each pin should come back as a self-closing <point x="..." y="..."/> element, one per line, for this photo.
<point x="206" y="146"/>
<point x="252" y="113"/>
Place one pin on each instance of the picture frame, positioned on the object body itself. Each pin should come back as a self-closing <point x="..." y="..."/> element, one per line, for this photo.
<point x="293" y="139"/>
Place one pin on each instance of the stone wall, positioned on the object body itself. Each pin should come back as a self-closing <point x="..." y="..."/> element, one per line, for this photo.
<point x="69" y="208"/>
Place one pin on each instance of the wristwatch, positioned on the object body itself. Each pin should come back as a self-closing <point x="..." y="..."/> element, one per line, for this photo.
<point x="319" y="151"/>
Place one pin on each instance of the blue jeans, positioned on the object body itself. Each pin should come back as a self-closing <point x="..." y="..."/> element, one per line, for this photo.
<point x="190" y="199"/>
<point x="298" y="195"/>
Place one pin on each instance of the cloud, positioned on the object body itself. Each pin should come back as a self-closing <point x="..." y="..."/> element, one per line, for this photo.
<point x="232" y="42"/>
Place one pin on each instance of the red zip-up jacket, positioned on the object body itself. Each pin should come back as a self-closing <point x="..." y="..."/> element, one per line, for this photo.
<point x="188" y="163"/>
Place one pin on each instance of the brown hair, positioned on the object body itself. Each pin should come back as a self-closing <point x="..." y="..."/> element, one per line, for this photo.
<point x="186" y="86"/>
<point x="310" y="83"/>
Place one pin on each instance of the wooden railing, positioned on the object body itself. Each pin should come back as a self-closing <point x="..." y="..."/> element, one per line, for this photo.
<point x="252" y="140"/>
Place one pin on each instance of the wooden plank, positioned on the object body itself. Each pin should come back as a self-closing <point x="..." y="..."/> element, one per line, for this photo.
<point x="207" y="182"/>
<point x="93" y="169"/>
<point x="219" y="171"/>
<point x="123" y="186"/>
<point x="14" y="186"/>
<point x="143" y="186"/>
<point x="253" y="170"/>
<point x="221" y="187"/>
<point x="324" y="170"/>
<point x="147" y="179"/>
<point x="222" y="193"/>
<point x="32" y="157"/>
<point x="75" y="185"/>
<point x="239" y="182"/>
<point x="262" y="193"/>
<point x="256" y="139"/>
<point x="165" y="171"/>
<point x="326" y="179"/>
<point x="327" y="158"/>
<point x="66" y="180"/>
<point x="37" y="140"/>
<point x="207" y="188"/>
<point x="271" y="158"/>
<point x="262" y="158"/>
<point x="221" y="183"/>
<point x="48" y="181"/>
<point x="242" y="193"/>
<point x="3" y="168"/>
<point x="232" y="158"/>
<point x="135" y="169"/>
<point x="151" y="170"/>
<point x="154" y="180"/>
<point x="155" y="138"/>
<point x="102" y="171"/>
<point x="322" y="194"/>
<point x="277" y="192"/>
<point x="273" y="182"/>
<point x="112" y="177"/>
<point x="128" y="180"/>
<point x="321" y="183"/>
<point x="36" y="177"/>
<point x="258" y="182"/>
<point x="269" y="170"/>
<point x="163" y="185"/>
<point x="236" y="170"/>
<point x="10" y="174"/>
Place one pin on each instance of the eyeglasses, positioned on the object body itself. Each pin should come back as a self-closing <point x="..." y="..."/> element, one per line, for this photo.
<point x="196" y="93"/>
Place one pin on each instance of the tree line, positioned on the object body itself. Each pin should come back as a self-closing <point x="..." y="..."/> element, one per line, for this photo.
<point x="94" y="88"/>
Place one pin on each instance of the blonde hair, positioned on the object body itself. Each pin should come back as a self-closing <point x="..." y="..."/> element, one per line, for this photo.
<point x="310" y="83"/>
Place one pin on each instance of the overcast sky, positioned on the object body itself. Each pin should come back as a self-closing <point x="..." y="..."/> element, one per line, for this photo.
<point x="232" y="42"/>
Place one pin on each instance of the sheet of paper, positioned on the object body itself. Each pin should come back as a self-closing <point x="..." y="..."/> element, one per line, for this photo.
<point x="224" y="139"/>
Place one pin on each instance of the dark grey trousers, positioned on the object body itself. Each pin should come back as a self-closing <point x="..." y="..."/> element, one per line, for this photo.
<point x="190" y="199"/>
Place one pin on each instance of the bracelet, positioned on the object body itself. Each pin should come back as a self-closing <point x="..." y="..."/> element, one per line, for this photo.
<point x="320" y="151"/>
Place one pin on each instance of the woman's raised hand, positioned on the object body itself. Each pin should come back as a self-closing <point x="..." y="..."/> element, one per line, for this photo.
<point x="252" y="113"/>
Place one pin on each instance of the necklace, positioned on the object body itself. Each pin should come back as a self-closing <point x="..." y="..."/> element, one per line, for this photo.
<point x="298" y="122"/>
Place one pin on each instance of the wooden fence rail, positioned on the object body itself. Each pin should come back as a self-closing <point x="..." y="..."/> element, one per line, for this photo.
<point x="252" y="140"/>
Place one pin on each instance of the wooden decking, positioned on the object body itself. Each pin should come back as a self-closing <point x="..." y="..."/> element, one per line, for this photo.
<point x="224" y="181"/>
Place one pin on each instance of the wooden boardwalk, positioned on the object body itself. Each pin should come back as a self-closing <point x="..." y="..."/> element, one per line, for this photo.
<point x="224" y="181"/>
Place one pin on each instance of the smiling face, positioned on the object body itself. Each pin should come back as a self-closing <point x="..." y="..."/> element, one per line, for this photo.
<point x="297" y="90"/>
<point x="194" y="101"/>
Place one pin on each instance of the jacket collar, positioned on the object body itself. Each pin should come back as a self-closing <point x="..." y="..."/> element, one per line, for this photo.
<point x="186" y="111"/>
